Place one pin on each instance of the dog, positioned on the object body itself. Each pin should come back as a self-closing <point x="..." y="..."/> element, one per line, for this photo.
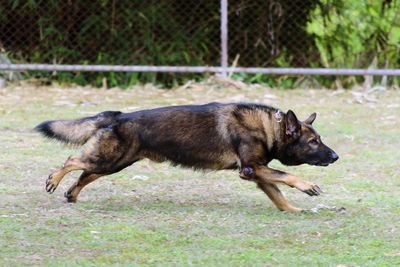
<point x="215" y="136"/>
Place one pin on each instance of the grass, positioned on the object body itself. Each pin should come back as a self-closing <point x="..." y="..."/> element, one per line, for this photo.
<point x="157" y="215"/>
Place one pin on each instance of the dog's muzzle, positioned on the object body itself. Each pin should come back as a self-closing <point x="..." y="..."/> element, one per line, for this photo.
<point x="334" y="157"/>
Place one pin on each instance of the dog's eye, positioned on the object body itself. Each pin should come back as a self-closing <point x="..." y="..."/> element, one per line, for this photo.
<point x="313" y="142"/>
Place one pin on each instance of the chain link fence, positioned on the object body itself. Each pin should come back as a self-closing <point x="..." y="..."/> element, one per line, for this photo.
<point x="111" y="32"/>
<point x="261" y="33"/>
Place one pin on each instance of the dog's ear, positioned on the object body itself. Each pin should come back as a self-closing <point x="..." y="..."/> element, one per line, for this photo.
<point x="311" y="119"/>
<point x="292" y="124"/>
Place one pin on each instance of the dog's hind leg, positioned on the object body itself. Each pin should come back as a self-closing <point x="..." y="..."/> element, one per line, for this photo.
<point x="277" y="197"/>
<point x="71" y="164"/>
<point x="72" y="194"/>
<point x="107" y="154"/>
<point x="96" y="158"/>
<point x="87" y="177"/>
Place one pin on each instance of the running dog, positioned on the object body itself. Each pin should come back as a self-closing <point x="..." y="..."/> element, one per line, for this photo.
<point x="215" y="136"/>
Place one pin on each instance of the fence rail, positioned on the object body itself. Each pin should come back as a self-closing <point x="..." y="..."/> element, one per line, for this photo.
<point x="199" y="69"/>
<point x="283" y="37"/>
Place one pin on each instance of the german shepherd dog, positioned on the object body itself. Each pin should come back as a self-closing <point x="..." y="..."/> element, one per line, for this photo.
<point x="214" y="136"/>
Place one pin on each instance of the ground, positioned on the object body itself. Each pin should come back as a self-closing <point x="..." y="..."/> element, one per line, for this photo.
<point x="155" y="214"/>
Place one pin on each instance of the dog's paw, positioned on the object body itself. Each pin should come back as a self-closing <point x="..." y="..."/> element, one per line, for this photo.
<point x="50" y="184"/>
<point x="310" y="189"/>
<point x="69" y="197"/>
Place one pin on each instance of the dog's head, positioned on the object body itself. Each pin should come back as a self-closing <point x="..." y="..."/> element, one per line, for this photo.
<point x="303" y="144"/>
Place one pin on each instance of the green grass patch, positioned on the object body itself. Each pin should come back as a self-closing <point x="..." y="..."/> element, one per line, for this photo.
<point x="158" y="215"/>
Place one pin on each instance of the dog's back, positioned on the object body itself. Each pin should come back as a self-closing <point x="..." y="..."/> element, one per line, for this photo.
<point x="197" y="136"/>
<point x="185" y="135"/>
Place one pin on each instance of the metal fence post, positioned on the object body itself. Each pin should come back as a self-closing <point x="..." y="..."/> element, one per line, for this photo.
<point x="224" y="36"/>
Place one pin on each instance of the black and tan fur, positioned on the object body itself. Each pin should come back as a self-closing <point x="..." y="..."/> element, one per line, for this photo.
<point x="214" y="136"/>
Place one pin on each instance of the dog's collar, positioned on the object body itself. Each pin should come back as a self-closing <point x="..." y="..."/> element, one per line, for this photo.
<point x="278" y="115"/>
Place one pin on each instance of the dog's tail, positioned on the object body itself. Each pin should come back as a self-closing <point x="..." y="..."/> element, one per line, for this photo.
<point x="78" y="131"/>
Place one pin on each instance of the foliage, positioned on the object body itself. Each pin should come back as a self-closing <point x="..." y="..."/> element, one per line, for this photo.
<point x="109" y="32"/>
<point x="357" y="34"/>
<point x="264" y="33"/>
<point x="149" y="33"/>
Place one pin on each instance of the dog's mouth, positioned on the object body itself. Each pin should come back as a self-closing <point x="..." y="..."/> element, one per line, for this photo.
<point x="323" y="164"/>
<point x="326" y="159"/>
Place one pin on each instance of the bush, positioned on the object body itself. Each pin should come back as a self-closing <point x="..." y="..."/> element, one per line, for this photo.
<point x="264" y="33"/>
<point x="356" y="34"/>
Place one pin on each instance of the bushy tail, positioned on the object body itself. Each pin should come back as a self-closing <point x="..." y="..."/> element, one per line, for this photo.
<point x="76" y="131"/>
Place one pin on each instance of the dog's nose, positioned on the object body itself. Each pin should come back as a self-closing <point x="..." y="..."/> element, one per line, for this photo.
<point x="334" y="156"/>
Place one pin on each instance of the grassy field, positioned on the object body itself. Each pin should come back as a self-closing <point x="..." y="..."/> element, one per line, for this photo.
<point x="157" y="215"/>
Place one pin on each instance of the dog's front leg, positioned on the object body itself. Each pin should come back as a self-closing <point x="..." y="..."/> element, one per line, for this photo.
<point x="250" y="154"/>
<point x="268" y="175"/>
<point x="276" y="196"/>
<point x="270" y="189"/>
